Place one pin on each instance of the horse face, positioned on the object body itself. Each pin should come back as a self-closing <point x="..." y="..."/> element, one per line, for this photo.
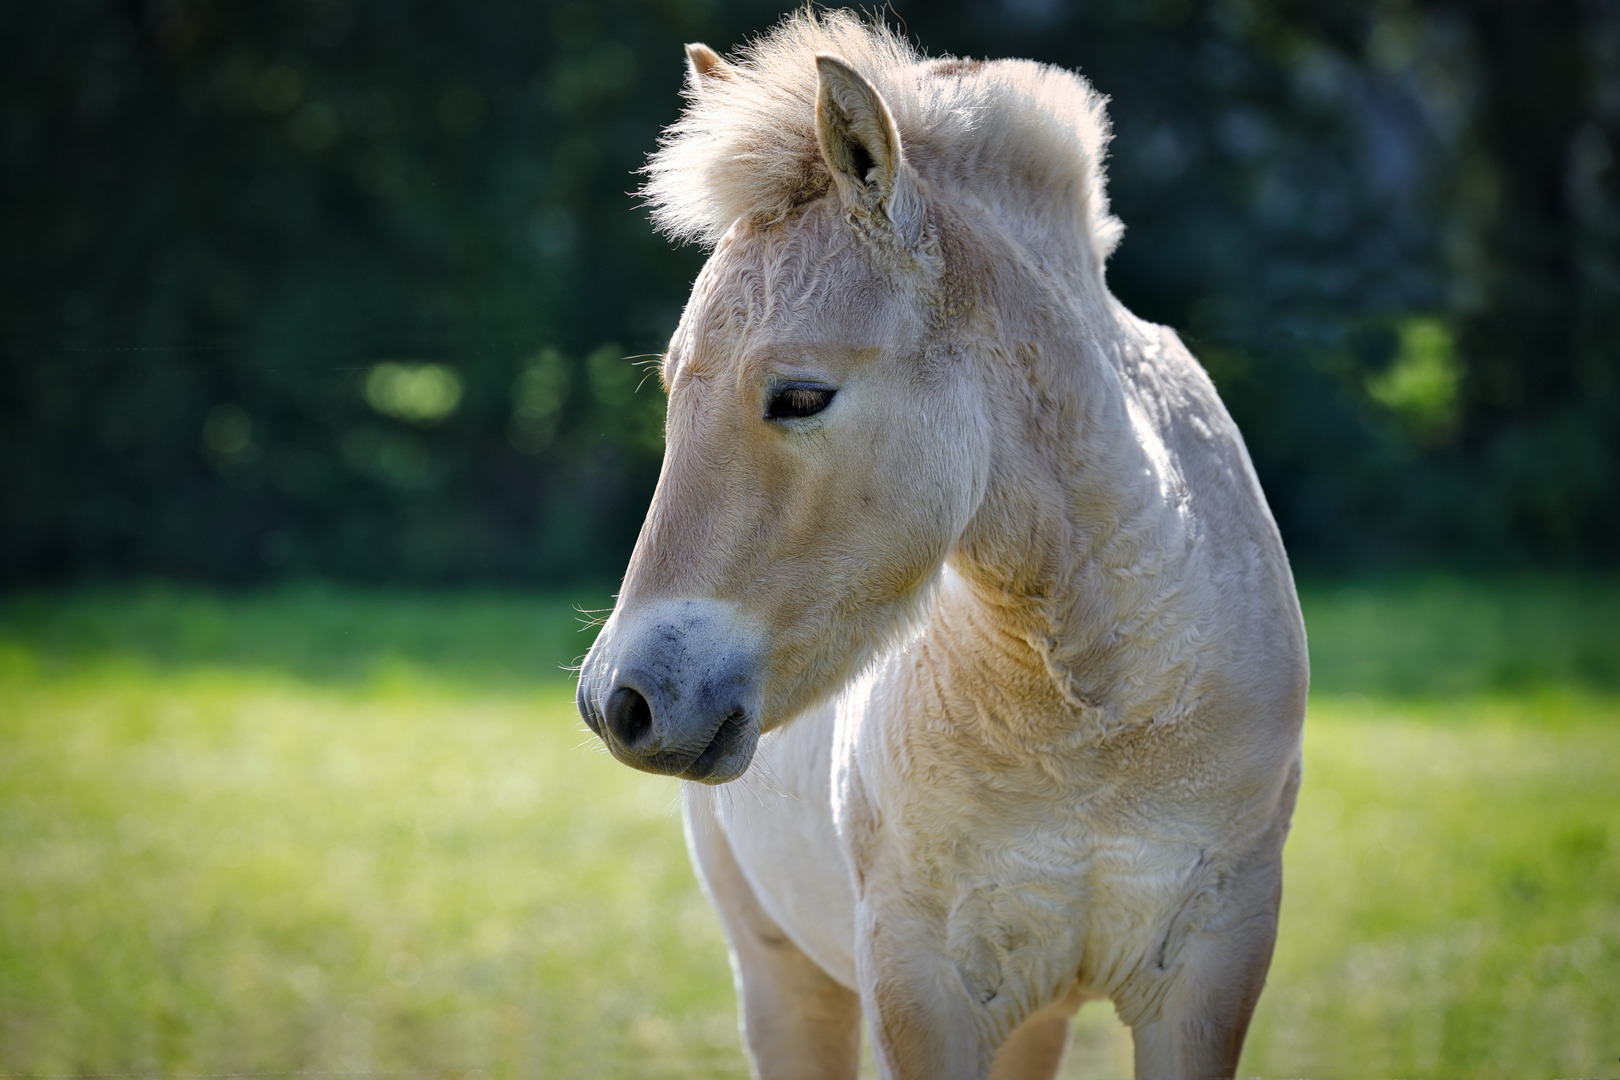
<point x="824" y="451"/>
<point x="821" y="462"/>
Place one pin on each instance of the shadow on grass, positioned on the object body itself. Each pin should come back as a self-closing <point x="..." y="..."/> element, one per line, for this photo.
<point x="1423" y="637"/>
<point x="1446" y="637"/>
<point x="313" y="631"/>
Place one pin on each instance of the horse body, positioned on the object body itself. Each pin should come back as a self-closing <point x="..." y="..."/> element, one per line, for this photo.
<point x="971" y="566"/>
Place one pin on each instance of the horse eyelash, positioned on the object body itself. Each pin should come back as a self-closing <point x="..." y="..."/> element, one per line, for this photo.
<point x="792" y="402"/>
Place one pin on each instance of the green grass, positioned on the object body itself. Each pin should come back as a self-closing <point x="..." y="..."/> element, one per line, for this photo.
<point x="1440" y="637"/>
<point x="332" y="831"/>
<point x="473" y="640"/>
<point x="1452" y="894"/>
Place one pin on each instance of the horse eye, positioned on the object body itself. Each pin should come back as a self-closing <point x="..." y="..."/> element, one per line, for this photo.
<point x="791" y="402"/>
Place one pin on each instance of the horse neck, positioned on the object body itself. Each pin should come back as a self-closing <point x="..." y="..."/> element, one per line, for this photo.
<point x="1079" y="531"/>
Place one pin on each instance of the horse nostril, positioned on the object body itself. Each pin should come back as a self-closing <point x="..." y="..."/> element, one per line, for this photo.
<point x="629" y="716"/>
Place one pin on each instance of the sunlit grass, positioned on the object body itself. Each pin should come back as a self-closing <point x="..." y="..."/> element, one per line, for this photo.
<point x="325" y="831"/>
<point x="1452" y="894"/>
<point x="212" y="871"/>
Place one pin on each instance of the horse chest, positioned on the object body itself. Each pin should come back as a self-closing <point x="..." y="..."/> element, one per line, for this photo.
<point x="1021" y="881"/>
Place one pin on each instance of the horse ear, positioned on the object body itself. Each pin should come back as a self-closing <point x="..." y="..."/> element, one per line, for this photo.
<point x="862" y="147"/>
<point x="702" y="65"/>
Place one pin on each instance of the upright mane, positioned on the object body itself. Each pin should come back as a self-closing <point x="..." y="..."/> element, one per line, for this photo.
<point x="1020" y="138"/>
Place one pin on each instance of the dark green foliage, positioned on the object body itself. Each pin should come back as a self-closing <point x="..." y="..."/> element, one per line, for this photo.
<point x="1390" y="231"/>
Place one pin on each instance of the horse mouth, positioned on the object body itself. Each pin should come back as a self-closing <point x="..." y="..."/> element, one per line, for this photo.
<point x="728" y="754"/>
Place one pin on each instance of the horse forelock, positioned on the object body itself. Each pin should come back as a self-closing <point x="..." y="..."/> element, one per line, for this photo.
<point x="1010" y="134"/>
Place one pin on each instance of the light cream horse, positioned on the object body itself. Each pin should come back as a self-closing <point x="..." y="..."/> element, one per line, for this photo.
<point x="969" y="564"/>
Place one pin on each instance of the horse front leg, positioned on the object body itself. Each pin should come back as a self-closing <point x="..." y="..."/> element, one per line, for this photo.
<point x="1197" y="1032"/>
<point x="928" y="1028"/>
<point x="1202" y="1015"/>
<point x="798" y="1023"/>
<point x="933" y="1016"/>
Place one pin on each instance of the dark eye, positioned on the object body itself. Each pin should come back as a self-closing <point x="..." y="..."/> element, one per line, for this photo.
<point x="792" y="400"/>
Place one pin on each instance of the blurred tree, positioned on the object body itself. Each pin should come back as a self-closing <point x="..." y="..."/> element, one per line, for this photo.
<point x="1390" y="230"/>
<point x="348" y="287"/>
<point x="1542" y="331"/>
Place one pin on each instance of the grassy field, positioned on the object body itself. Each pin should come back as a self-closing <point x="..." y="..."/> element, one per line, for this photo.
<point x="326" y="831"/>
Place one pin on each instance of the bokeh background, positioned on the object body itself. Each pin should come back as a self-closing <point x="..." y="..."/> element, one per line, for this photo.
<point x="325" y="423"/>
<point x="1390" y="231"/>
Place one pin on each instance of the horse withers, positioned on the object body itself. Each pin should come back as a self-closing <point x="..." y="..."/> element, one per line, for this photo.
<point x="960" y="575"/>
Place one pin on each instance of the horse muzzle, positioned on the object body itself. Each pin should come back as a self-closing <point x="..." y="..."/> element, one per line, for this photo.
<point x="672" y="688"/>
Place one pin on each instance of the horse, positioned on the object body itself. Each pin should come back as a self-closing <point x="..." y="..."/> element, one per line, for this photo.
<point x="963" y="568"/>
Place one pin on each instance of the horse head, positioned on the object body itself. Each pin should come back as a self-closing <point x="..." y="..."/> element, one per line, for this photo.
<point x="825" y="450"/>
